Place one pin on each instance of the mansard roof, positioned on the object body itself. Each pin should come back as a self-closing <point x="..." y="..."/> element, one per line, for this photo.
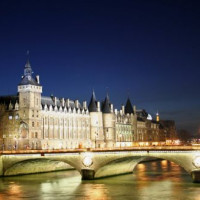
<point x="142" y="113"/>
<point x="129" y="107"/>
<point x="93" y="103"/>
<point x="28" y="81"/>
<point x="140" y="119"/>
<point x="106" y="105"/>
<point x="50" y="101"/>
<point x="9" y="99"/>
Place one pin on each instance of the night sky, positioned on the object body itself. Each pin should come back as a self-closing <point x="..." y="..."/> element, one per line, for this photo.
<point x="149" y="50"/>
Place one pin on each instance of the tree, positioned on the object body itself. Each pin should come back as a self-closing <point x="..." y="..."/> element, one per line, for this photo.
<point x="184" y="135"/>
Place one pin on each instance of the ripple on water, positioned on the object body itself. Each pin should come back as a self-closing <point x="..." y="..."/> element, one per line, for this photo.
<point x="155" y="180"/>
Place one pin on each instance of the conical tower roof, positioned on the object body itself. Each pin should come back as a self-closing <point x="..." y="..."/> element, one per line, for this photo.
<point x="129" y="107"/>
<point x="106" y="105"/>
<point x="93" y="103"/>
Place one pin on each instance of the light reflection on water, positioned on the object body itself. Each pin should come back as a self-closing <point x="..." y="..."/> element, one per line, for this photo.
<point x="153" y="180"/>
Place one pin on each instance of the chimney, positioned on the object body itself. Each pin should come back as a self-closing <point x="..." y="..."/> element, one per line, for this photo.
<point x="38" y="79"/>
<point x="85" y="104"/>
<point x="67" y="102"/>
<point x="63" y="102"/>
<point x="134" y="109"/>
<point x="55" y="101"/>
<point x="111" y="107"/>
<point x="123" y="109"/>
<point x="76" y="103"/>
<point x="98" y="106"/>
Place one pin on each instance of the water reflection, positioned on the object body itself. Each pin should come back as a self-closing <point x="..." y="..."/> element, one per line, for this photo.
<point x="153" y="180"/>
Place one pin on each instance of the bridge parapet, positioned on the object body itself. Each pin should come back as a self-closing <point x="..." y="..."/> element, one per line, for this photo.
<point x="98" y="163"/>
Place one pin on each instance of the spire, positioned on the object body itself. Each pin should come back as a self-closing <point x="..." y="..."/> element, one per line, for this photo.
<point x="27" y="79"/>
<point x="27" y="68"/>
<point x="157" y="117"/>
<point x="129" y="107"/>
<point x="93" y="94"/>
<point x="28" y="65"/>
<point x="93" y="103"/>
<point x="106" y="105"/>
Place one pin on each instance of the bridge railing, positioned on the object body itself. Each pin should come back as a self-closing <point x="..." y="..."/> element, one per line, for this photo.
<point x="154" y="148"/>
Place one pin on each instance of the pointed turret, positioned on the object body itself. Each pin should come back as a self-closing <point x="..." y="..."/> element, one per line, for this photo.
<point x="129" y="107"/>
<point x="93" y="103"/>
<point x="106" y="105"/>
<point x="27" y="79"/>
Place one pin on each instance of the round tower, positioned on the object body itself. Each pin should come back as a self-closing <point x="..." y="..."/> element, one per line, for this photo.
<point x="96" y="123"/>
<point x="108" y="123"/>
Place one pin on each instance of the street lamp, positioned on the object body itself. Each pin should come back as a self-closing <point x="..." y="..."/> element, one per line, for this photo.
<point x="120" y="137"/>
<point x="15" y="147"/>
<point x="96" y="134"/>
<point x="3" y="145"/>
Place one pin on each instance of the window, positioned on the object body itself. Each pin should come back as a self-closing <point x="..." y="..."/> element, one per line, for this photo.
<point x="17" y="116"/>
<point x="24" y="101"/>
<point x="36" y="135"/>
<point x="10" y="117"/>
<point x="33" y="124"/>
<point x="32" y="113"/>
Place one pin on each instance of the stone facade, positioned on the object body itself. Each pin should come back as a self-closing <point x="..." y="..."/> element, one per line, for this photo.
<point x="29" y="120"/>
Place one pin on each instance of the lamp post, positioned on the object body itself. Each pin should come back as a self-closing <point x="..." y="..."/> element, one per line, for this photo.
<point x="120" y="137"/>
<point x="15" y="147"/>
<point x="95" y="140"/>
<point x="3" y="145"/>
<point x="96" y="134"/>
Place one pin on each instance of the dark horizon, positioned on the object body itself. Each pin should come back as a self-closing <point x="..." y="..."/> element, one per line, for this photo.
<point x="148" y="50"/>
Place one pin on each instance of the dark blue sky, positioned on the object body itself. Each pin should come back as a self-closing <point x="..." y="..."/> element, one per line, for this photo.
<point x="149" y="49"/>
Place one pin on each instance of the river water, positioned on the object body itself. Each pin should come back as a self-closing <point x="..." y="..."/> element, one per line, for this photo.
<point x="158" y="180"/>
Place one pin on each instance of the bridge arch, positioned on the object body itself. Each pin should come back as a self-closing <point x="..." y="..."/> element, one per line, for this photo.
<point x="27" y="164"/>
<point x="37" y="165"/>
<point x="120" y="164"/>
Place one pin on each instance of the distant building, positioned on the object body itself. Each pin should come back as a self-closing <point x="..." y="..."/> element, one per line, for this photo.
<point x="148" y="130"/>
<point x="29" y="120"/>
<point x="168" y="129"/>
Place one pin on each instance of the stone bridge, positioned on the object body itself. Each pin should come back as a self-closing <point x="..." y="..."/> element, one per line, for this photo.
<point x="97" y="163"/>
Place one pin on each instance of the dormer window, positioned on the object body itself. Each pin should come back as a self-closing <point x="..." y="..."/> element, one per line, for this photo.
<point x="16" y="116"/>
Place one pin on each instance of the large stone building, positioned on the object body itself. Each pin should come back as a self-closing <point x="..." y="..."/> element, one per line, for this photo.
<point x="29" y="120"/>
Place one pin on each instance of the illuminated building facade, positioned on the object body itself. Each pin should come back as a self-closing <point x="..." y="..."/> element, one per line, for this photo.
<point x="29" y="120"/>
<point x="148" y="130"/>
